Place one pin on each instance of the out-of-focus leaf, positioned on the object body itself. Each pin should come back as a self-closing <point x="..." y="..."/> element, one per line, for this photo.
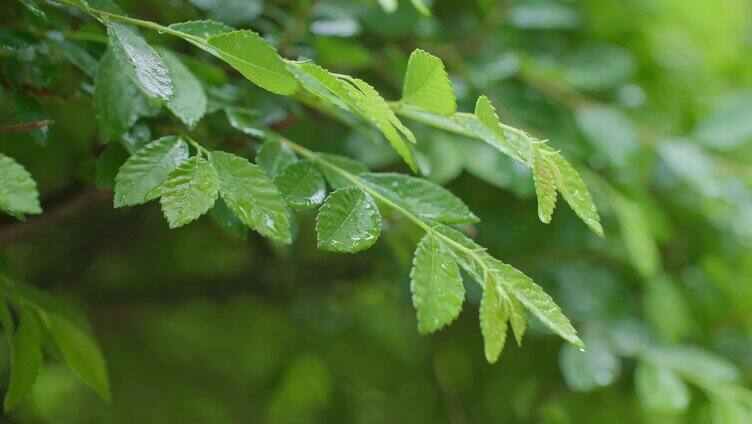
<point x="247" y="52"/>
<point x="661" y="390"/>
<point x="349" y="221"/>
<point x="233" y="12"/>
<point x="639" y="242"/>
<point x="427" y="84"/>
<point x="666" y="309"/>
<point x="227" y="219"/>
<point x="543" y="15"/>
<point x="596" y="367"/>
<point x="252" y="196"/>
<point x="728" y="126"/>
<point x="610" y="132"/>
<point x="141" y="175"/>
<point x="436" y="285"/>
<point x="727" y="410"/>
<point x="189" y="191"/>
<point x="29" y="110"/>
<point x="108" y="165"/>
<point x="693" y="166"/>
<point x="302" y="185"/>
<point x="26" y="358"/>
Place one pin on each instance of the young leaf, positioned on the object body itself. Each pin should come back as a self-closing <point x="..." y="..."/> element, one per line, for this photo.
<point x="335" y="179"/>
<point x="118" y="103"/>
<point x="142" y="64"/>
<point x="575" y="192"/>
<point x="26" y="358"/>
<point x="485" y="124"/>
<point x="349" y="221"/>
<point x="421" y="197"/>
<point x="189" y="101"/>
<point x="494" y="314"/>
<point x="81" y="353"/>
<point x="143" y="172"/>
<point x="517" y="318"/>
<point x="274" y="156"/>
<point x="190" y="191"/>
<point x="436" y="285"/>
<point x="427" y="84"/>
<point x="252" y="196"/>
<point x="247" y="52"/>
<point x="660" y="389"/>
<point x="537" y="301"/>
<point x="544" y="176"/>
<point x="18" y="191"/>
<point x="302" y="185"/>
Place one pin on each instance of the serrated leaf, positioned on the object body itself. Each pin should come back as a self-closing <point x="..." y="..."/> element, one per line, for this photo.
<point x="436" y="285"/>
<point x="660" y="389"/>
<point x="324" y="85"/>
<point x="245" y="121"/>
<point x="544" y="176"/>
<point x="485" y="124"/>
<point x="142" y="64"/>
<point x="18" y="190"/>
<point x="494" y="314"/>
<point x="536" y="300"/>
<point x="427" y="84"/>
<point x="81" y="353"/>
<point x="335" y="179"/>
<point x="118" y="103"/>
<point x="26" y="358"/>
<point x="349" y="221"/>
<point x="302" y="185"/>
<point x="252" y="196"/>
<point x="420" y="197"/>
<point x="274" y="156"/>
<point x="247" y="52"/>
<point x="189" y="191"/>
<point x="188" y="101"/>
<point x="517" y="318"/>
<point x="142" y="173"/>
<point x="202" y="28"/>
<point x="574" y="190"/>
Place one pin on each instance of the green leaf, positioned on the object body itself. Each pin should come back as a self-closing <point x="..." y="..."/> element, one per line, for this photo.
<point x="245" y="121"/>
<point x="75" y="54"/>
<point x="536" y="300"/>
<point x="188" y="101"/>
<point x="349" y="221"/>
<point x="30" y="109"/>
<point x="728" y="410"/>
<point x="427" y="84"/>
<point x="26" y="358"/>
<point x="594" y="368"/>
<point x="32" y="7"/>
<point x="420" y="197"/>
<point x="146" y="170"/>
<point x="274" y="156"/>
<point x="6" y="320"/>
<point x="436" y="285"/>
<point x="517" y="318"/>
<point x="696" y="362"/>
<point x="576" y="193"/>
<point x="544" y="175"/>
<point x="247" y="52"/>
<point x="189" y="192"/>
<point x="636" y="234"/>
<point x="203" y="28"/>
<point x="494" y="314"/>
<point x="252" y="196"/>
<point x="108" y="164"/>
<point x="421" y="6"/>
<point x="81" y="353"/>
<point x="660" y="389"/>
<point x="334" y="178"/>
<point x="666" y="310"/>
<point x="302" y="185"/>
<point x="118" y="103"/>
<point x="142" y="64"/>
<point x="18" y="191"/>
<point x="223" y="215"/>
<point x="485" y="124"/>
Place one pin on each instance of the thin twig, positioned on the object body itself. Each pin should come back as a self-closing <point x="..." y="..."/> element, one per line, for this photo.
<point x="26" y="126"/>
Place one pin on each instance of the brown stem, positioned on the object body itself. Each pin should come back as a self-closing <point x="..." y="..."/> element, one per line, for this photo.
<point x="26" y="126"/>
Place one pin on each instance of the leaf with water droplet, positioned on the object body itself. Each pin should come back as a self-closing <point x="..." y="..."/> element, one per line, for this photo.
<point x="274" y="156"/>
<point x="190" y="190"/>
<point x="436" y="285"/>
<point x="349" y="221"/>
<point x="252" y="196"/>
<point x="302" y="185"/>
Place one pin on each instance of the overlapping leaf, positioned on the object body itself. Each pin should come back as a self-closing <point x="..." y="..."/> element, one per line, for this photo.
<point x="273" y="157"/>
<point x="145" y="171"/>
<point x="252" y="196"/>
<point x="189" y="192"/>
<point x="349" y="221"/>
<point x="494" y="314"/>
<point x="26" y="359"/>
<point x="436" y="285"/>
<point x="189" y="100"/>
<point x="302" y="185"/>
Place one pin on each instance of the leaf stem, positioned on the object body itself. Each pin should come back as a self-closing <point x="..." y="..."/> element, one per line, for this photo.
<point x="311" y="155"/>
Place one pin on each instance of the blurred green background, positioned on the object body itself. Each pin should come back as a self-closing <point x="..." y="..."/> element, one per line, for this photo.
<point x="651" y="99"/>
